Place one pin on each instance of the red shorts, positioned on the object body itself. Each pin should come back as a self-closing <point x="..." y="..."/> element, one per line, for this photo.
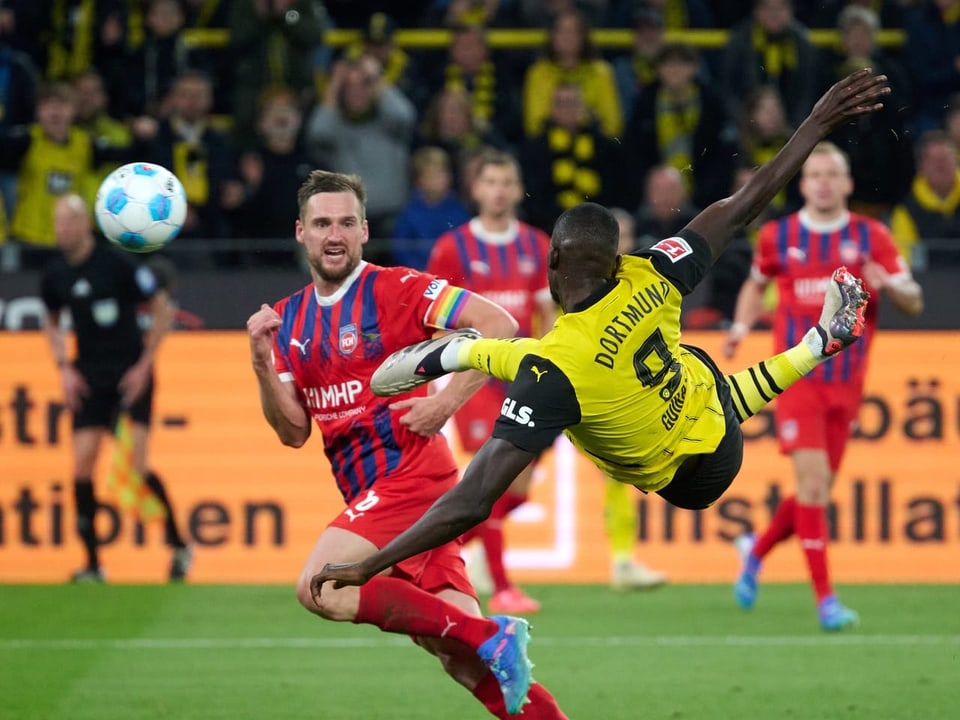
<point x="817" y="416"/>
<point x="476" y="418"/>
<point x="390" y="507"/>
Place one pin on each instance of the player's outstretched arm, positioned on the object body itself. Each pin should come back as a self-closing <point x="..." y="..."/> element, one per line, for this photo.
<point x="464" y="506"/>
<point x="857" y="94"/>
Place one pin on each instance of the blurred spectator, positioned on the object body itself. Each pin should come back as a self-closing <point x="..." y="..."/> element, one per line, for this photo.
<point x="153" y="65"/>
<point x="273" y="41"/>
<point x="18" y="85"/>
<point x="208" y="22"/>
<point x="571" y="58"/>
<point x="726" y="276"/>
<point x="378" y="42"/>
<point x="676" y="14"/>
<point x="201" y="156"/>
<point x="24" y="26"/>
<point x="85" y="34"/>
<point x="448" y="123"/>
<point x="877" y="144"/>
<point x="666" y="208"/>
<point x="273" y="173"/>
<point x="105" y="131"/>
<point x="635" y="72"/>
<point x="763" y="131"/>
<point x="570" y="162"/>
<point x="931" y="210"/>
<point x="51" y="158"/>
<point x="355" y="13"/>
<point x="771" y="48"/>
<point x="826" y="13"/>
<point x="492" y="91"/>
<point x="858" y="27"/>
<point x="680" y="121"/>
<point x="433" y="209"/>
<point x="932" y="55"/>
<point x="365" y="126"/>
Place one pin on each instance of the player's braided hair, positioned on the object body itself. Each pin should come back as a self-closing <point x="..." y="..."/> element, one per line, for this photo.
<point x="322" y="181"/>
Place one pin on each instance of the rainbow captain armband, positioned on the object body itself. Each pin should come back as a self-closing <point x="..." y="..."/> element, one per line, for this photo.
<point x="448" y="303"/>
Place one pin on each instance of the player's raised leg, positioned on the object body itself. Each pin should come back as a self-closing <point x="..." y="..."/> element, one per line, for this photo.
<point x="455" y="351"/>
<point x="841" y="324"/>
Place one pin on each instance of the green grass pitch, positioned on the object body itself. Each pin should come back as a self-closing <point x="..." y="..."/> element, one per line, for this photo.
<point x="683" y="652"/>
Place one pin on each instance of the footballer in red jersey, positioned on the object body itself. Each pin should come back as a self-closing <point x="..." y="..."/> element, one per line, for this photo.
<point x="815" y="416"/>
<point x="313" y="354"/>
<point x="505" y="260"/>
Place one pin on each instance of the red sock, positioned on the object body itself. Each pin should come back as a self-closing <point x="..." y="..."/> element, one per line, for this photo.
<point x="491" y="534"/>
<point x="397" y="606"/>
<point x="780" y="528"/>
<point x="811" y="524"/>
<point x="542" y="706"/>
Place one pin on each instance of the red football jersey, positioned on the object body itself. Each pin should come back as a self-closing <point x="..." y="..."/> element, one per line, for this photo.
<point x="330" y="347"/>
<point x="801" y="255"/>
<point x="508" y="268"/>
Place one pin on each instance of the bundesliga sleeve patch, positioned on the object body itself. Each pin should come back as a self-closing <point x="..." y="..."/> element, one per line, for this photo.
<point x="675" y="248"/>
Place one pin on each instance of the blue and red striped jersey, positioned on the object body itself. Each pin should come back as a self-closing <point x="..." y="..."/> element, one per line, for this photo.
<point x="330" y="347"/>
<point x="508" y="268"/>
<point x="801" y="255"/>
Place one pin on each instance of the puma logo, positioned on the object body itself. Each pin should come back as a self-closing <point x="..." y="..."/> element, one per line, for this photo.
<point x="449" y="627"/>
<point x="302" y="347"/>
<point x="536" y="371"/>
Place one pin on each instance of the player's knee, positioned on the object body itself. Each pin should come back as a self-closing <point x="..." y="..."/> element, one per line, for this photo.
<point x="326" y="604"/>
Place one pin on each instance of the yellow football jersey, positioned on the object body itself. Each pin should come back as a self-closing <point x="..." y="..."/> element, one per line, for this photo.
<point x="613" y="376"/>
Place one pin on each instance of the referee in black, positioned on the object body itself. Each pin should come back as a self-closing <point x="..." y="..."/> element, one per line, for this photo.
<point x="113" y="368"/>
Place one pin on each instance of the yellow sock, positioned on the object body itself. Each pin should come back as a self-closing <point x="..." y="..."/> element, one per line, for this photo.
<point x="756" y="386"/>
<point x="499" y="358"/>
<point x="620" y="519"/>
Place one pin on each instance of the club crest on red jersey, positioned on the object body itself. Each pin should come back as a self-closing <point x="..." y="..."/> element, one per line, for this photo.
<point x="674" y="248"/>
<point x="849" y="253"/>
<point x="348" y="338"/>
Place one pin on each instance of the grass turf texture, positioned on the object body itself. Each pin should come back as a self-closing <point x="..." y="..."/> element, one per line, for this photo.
<point x="130" y="652"/>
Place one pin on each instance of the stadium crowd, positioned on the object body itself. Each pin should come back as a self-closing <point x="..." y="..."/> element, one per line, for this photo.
<point x="242" y="98"/>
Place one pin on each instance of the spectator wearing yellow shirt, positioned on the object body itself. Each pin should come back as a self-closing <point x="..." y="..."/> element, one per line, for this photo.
<point x="931" y="210"/>
<point x="570" y="58"/>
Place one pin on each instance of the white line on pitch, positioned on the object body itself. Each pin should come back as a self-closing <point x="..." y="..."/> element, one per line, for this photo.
<point x="853" y="640"/>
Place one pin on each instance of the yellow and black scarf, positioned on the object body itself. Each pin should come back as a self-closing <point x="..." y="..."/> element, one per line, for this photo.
<point x="482" y="89"/>
<point x="573" y="168"/>
<point x="677" y="120"/>
<point x="777" y="55"/>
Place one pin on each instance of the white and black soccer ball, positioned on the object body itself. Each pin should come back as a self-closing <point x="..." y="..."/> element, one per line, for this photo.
<point x="141" y="206"/>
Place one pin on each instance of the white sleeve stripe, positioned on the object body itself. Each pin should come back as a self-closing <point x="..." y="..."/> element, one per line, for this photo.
<point x="758" y="276"/>
<point x="286" y="377"/>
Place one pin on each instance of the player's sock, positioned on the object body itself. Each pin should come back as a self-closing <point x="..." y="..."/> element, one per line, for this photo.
<point x="491" y="534"/>
<point x="397" y="606"/>
<point x="499" y="358"/>
<point x="86" y="504"/>
<point x="620" y="515"/>
<point x="541" y="705"/>
<point x="156" y="487"/>
<point x="811" y="526"/>
<point x="781" y="528"/>
<point x="753" y="388"/>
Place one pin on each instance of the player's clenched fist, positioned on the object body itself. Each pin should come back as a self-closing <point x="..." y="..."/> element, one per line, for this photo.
<point x="262" y="326"/>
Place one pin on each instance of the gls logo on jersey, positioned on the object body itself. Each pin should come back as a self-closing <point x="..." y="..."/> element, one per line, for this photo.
<point x="674" y="248"/>
<point x="521" y="415"/>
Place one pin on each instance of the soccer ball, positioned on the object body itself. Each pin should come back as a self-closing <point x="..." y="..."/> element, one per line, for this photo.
<point x="141" y="207"/>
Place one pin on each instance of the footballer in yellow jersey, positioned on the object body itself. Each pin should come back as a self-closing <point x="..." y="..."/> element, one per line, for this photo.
<point x="612" y="373"/>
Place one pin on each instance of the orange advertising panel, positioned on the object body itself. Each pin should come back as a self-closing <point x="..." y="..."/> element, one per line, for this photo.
<point x="253" y="508"/>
